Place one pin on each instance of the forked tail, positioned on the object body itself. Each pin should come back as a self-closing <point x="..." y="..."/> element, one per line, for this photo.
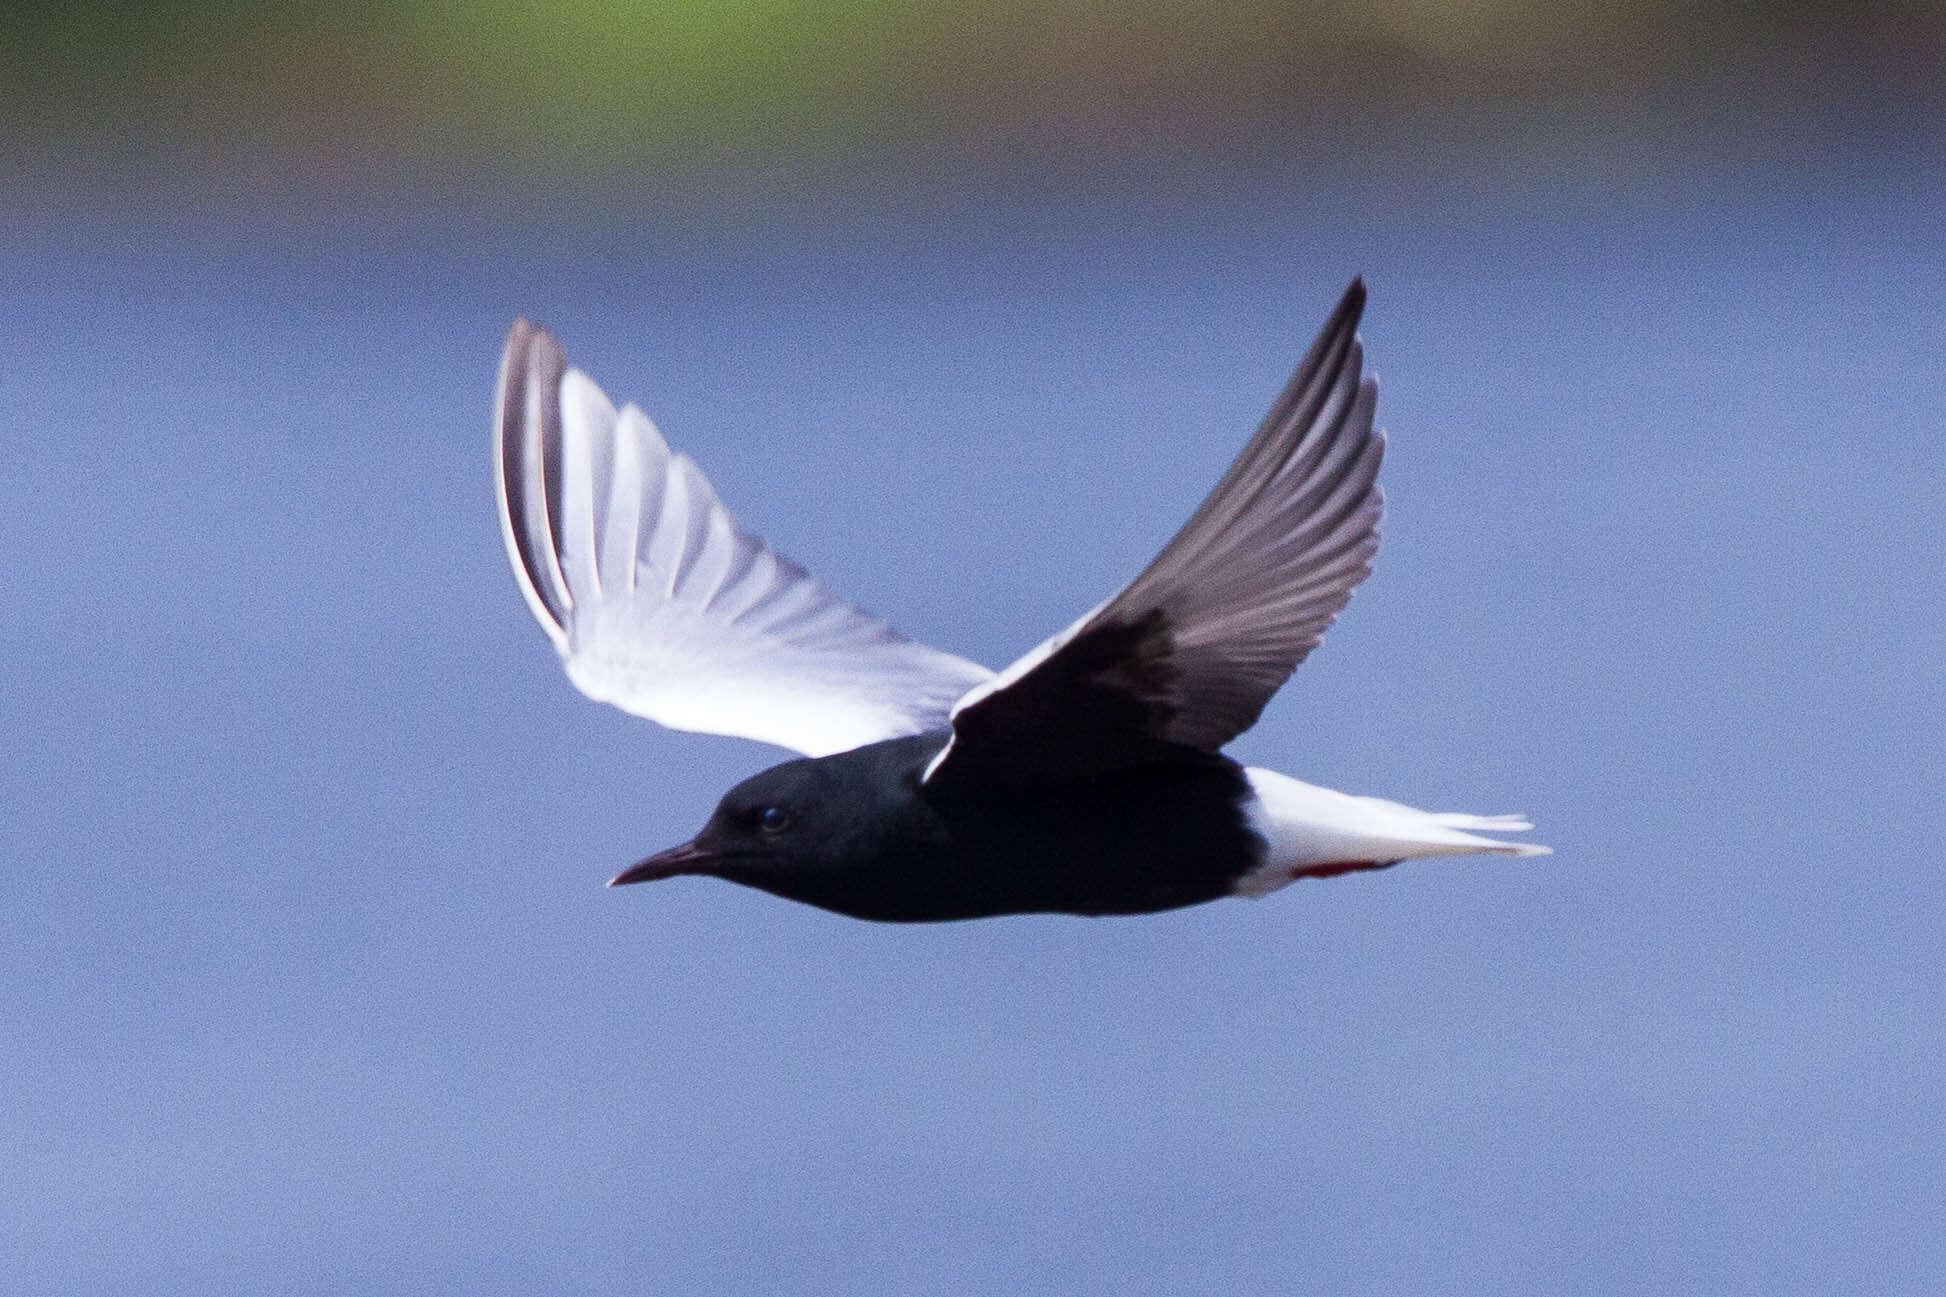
<point x="1313" y="832"/>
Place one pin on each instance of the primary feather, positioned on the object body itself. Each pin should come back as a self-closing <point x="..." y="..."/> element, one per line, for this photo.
<point x="660" y="603"/>
<point x="1188" y="653"/>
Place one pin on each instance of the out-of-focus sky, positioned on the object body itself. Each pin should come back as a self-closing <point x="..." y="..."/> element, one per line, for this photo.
<point x="310" y="982"/>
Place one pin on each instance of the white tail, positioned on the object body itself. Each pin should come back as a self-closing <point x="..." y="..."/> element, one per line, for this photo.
<point x="1317" y="832"/>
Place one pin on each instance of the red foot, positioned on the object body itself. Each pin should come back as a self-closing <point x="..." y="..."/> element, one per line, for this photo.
<point x="1336" y="867"/>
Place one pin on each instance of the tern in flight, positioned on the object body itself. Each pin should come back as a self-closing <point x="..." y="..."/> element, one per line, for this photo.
<point x="1086" y="778"/>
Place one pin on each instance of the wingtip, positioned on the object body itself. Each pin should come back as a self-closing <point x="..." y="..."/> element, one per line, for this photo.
<point x="1345" y="316"/>
<point x="517" y="353"/>
<point x="529" y="344"/>
<point x="531" y="360"/>
<point x="529" y="350"/>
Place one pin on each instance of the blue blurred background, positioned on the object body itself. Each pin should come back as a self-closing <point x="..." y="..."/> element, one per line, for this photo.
<point x="310" y="983"/>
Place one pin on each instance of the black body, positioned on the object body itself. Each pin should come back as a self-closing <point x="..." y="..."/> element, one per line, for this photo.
<point x="859" y="833"/>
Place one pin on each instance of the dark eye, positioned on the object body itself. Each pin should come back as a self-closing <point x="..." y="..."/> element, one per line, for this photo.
<point x="773" y="819"/>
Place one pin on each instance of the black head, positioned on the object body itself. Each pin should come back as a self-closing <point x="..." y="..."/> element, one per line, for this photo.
<point x="803" y="817"/>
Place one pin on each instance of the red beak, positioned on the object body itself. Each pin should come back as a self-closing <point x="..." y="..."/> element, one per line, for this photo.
<point x="686" y="859"/>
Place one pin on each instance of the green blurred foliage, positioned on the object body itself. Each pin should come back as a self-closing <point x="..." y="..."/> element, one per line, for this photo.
<point x="324" y="94"/>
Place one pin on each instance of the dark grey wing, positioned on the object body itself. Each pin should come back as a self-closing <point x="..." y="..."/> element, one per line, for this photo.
<point x="1188" y="654"/>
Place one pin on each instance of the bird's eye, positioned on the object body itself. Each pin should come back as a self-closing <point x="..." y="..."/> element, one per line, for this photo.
<point x="773" y="819"/>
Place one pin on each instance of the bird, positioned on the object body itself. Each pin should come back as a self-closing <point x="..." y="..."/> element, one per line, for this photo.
<point x="1086" y="778"/>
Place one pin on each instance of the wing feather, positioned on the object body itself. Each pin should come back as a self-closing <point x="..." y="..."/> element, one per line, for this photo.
<point x="522" y="479"/>
<point x="1184" y="658"/>
<point x="659" y="602"/>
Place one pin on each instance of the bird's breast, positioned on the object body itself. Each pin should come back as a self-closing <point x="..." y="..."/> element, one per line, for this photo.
<point x="1133" y="843"/>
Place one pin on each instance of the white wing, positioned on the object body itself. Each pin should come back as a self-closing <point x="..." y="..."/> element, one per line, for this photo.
<point x="662" y="605"/>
